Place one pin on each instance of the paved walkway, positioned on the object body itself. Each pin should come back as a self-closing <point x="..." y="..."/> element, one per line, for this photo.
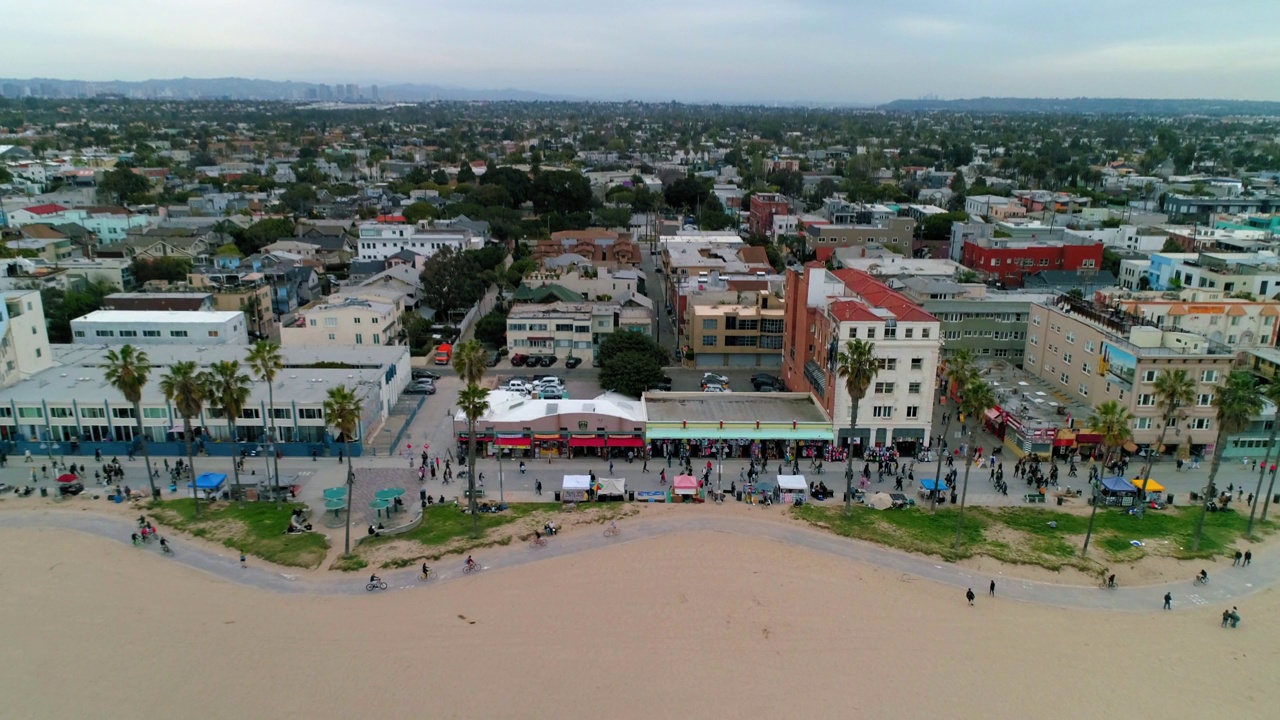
<point x="1226" y="587"/>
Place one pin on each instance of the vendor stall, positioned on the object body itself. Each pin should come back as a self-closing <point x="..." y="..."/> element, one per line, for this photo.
<point x="793" y="488"/>
<point x="1116" y="491"/>
<point x="685" y="486"/>
<point x="611" y="488"/>
<point x="208" y="485"/>
<point x="928" y="485"/>
<point x="575" y="488"/>
<point x="1153" y="490"/>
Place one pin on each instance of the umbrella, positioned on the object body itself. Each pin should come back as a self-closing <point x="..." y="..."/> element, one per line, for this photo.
<point x="880" y="501"/>
<point x="68" y="478"/>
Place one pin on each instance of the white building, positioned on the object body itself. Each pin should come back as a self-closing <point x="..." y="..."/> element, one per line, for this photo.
<point x="343" y="322"/>
<point x="379" y="241"/>
<point x="149" y="327"/>
<point x="24" y="342"/>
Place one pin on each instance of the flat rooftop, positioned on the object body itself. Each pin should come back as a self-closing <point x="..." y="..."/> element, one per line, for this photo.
<point x="159" y="316"/>
<point x="733" y="407"/>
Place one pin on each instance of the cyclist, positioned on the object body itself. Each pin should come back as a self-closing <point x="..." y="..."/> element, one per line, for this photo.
<point x="164" y="544"/>
<point x="537" y="536"/>
<point x="135" y="539"/>
<point x="1111" y="580"/>
<point x="375" y="579"/>
<point x="470" y="563"/>
<point x="426" y="571"/>
<point x="613" y="528"/>
<point x="1204" y="577"/>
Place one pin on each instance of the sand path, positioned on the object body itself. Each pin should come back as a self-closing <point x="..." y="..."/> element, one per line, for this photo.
<point x="1225" y="586"/>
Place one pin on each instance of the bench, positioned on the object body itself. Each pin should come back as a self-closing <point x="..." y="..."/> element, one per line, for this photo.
<point x="479" y="493"/>
<point x="1035" y="498"/>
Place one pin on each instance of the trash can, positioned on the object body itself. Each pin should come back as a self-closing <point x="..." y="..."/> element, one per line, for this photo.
<point x="44" y="492"/>
<point x="1168" y="499"/>
<point x="738" y="496"/>
<point x="155" y="493"/>
<point x="631" y="496"/>
<point x="557" y="496"/>
<point x="1059" y="501"/>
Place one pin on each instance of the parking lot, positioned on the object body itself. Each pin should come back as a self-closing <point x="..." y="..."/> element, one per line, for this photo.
<point x="583" y="382"/>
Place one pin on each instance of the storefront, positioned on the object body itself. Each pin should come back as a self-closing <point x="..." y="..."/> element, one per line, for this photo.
<point x="738" y="425"/>
<point x="527" y="428"/>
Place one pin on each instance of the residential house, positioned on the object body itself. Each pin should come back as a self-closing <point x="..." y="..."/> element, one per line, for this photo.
<point x="605" y="248"/>
<point x="45" y="242"/>
<point x="24" y="340"/>
<point x="341" y="321"/>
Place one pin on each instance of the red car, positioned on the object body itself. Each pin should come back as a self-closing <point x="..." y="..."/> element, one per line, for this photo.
<point x="518" y="360"/>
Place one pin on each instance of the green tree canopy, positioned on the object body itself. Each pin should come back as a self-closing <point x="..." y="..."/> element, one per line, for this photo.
<point x="262" y="233"/>
<point x="299" y="198"/>
<point x="938" y="227"/>
<point x="561" y="191"/>
<point x="687" y="193"/>
<point x="516" y="183"/>
<point x="415" y="213"/>
<point x="122" y="185"/>
<point x="63" y="306"/>
<point x="630" y="372"/>
<point x="171" y="268"/>
<point x="466" y="174"/>
<point x="621" y="342"/>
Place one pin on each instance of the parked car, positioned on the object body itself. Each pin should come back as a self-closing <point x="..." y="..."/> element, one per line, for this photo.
<point x="514" y="385"/>
<point x="714" y="387"/>
<point x="551" y="394"/>
<point x="420" y="388"/>
<point x="547" y="360"/>
<point x="762" y="380"/>
<point x="572" y="362"/>
<point x="493" y="359"/>
<point x="518" y="360"/>
<point x="714" y="379"/>
<point x="664" y="384"/>
<point x="424" y="374"/>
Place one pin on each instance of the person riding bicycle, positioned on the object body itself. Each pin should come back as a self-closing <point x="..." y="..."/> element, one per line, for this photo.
<point x="374" y="579"/>
<point x="164" y="544"/>
<point x="537" y="536"/>
<point x="470" y="563"/>
<point x="613" y="527"/>
<point x="135" y="538"/>
<point x="1111" y="580"/>
<point x="425" y="570"/>
<point x="1204" y="577"/>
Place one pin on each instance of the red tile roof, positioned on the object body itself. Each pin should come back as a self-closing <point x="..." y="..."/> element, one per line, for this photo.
<point x="46" y="209"/>
<point x="754" y="255"/>
<point x="878" y="294"/>
<point x="823" y="254"/>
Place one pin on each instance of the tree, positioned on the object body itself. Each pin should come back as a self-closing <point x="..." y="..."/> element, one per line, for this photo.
<point x="440" y="177"/>
<point x="631" y="372"/>
<point x="492" y="329"/>
<point x="342" y="411"/>
<point x="124" y="186"/>
<point x="127" y="370"/>
<point x="473" y="402"/>
<point x="299" y="199"/>
<point x="825" y="189"/>
<point x="561" y="191"/>
<point x="978" y="398"/>
<point x="938" y="227"/>
<point x="490" y="196"/>
<point x="415" y="213"/>
<point x="62" y="306"/>
<point x="1111" y="261"/>
<point x="451" y="280"/>
<point x="171" y="268"/>
<point x="515" y="182"/>
<point x="263" y="233"/>
<point x="1112" y="421"/>
<point x="265" y="362"/>
<point x="1237" y="401"/>
<point x="1171" y="246"/>
<point x="5" y="175"/>
<point x="959" y="371"/>
<point x="229" y="387"/>
<point x="687" y="193"/>
<point x="1272" y="393"/>
<point x="613" y="217"/>
<point x="1174" y="390"/>
<point x="857" y="365"/>
<point x="185" y="388"/>
<point x="623" y="342"/>
<point x="469" y="361"/>
<point x="466" y="174"/>
<point x="788" y="182"/>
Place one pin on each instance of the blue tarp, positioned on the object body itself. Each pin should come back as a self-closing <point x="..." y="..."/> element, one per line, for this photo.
<point x="1118" y="485"/>
<point x="210" y="481"/>
<point x="929" y="484"/>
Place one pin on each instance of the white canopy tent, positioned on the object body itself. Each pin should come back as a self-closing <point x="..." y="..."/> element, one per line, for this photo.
<point x="575" y="488"/>
<point x="612" y="486"/>
<point x="792" y="483"/>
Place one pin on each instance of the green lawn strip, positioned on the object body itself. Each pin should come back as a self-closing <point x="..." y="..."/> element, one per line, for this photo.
<point x="255" y="529"/>
<point x="446" y="530"/>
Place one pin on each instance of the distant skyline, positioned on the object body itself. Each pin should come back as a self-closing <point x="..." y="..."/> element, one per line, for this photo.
<point x="818" y="51"/>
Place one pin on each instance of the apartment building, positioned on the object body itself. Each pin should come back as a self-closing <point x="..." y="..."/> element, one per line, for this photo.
<point x="169" y="327"/>
<point x="604" y="248"/>
<point x="379" y="241"/>
<point x="45" y="243"/>
<point x="24" y="340"/>
<point x="249" y="293"/>
<point x="896" y="233"/>
<point x="340" y="321"/>
<point x="1007" y="260"/>
<point x="1257" y="274"/>
<point x="995" y="207"/>
<point x="744" y="332"/>
<point x="825" y="310"/>
<point x="567" y="328"/>
<point x="1095" y="353"/>
<point x="1237" y="322"/>
<point x="764" y="206"/>
<point x="988" y="323"/>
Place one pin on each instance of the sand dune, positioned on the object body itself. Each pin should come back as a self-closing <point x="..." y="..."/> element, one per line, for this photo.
<point x="701" y="625"/>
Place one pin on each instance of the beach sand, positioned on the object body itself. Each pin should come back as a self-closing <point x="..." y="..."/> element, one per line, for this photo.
<point x="700" y="625"/>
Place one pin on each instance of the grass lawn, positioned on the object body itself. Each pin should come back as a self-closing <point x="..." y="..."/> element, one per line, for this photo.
<point x="1023" y="535"/>
<point x="256" y="529"/>
<point x="445" y="530"/>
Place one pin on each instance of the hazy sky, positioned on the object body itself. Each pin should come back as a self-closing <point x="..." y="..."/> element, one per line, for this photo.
<point x="710" y="50"/>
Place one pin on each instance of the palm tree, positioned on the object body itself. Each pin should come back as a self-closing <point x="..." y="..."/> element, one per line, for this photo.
<point x="978" y="398"/>
<point x="1175" y="390"/>
<point x="469" y="360"/>
<point x="265" y="362"/>
<point x="185" y="388"/>
<point x="1112" y="421"/>
<point x="858" y="365"/>
<point x="1272" y="394"/>
<point x="1238" y="400"/>
<point x="342" y="411"/>
<point x="229" y="387"/>
<point x="473" y="402"/>
<point x="961" y="368"/>
<point x="127" y="370"/>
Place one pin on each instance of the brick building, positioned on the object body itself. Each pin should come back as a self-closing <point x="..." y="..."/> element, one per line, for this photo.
<point x="763" y="207"/>
<point x="1008" y="259"/>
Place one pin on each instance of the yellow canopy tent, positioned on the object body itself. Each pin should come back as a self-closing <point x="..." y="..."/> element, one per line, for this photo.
<point x="1152" y="485"/>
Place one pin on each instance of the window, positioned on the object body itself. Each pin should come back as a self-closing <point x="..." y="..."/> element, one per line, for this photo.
<point x="710" y="340"/>
<point x="1036" y="320"/>
<point x="1209" y="376"/>
<point x="30" y="412"/>
<point x="59" y="412"/>
<point x="913" y="388"/>
<point x="882" y="411"/>
<point x="1071" y="337"/>
<point x="913" y="411"/>
<point x="1062" y="378"/>
<point x="128" y="333"/>
<point x="890" y="332"/>
<point x="564" y="327"/>
<point x="79" y="333"/>
<point x="917" y="363"/>
<point x="92" y="413"/>
<point x="1083" y="390"/>
<point x="377" y="339"/>
<point x="871" y="333"/>
<point x="771" y="342"/>
<point x="890" y="364"/>
<point x="710" y="324"/>
<point x="1033" y="339"/>
<point x="1086" y="368"/>
<point x="924" y="333"/>
<point x="773" y="327"/>
<point x="282" y="413"/>
<point x="1149" y="376"/>
<point x="1146" y="400"/>
<point x="1204" y="400"/>
<point x="312" y="322"/>
<point x="251" y="413"/>
<point x="355" y="320"/>
<point x="309" y="413"/>
<point x="374" y="321"/>
<point x="105" y="333"/>
<point x="1200" y="424"/>
<point x="995" y="262"/>
<point x="1031" y="360"/>
<point x="332" y="336"/>
<point x="213" y="333"/>
<point x="359" y="338"/>
<point x="1088" y="346"/>
<point x="331" y="322"/>
<point x="1066" y="358"/>
<point x="883" y="388"/>
<point x="1002" y="352"/>
<point x="1142" y="424"/>
<point x="178" y="333"/>
<point x="908" y="333"/>
<point x="155" y="413"/>
<point x="1044" y="262"/>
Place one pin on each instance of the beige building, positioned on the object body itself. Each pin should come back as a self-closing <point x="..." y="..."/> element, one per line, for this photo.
<point x="896" y="233"/>
<point x="564" y="328"/>
<point x="343" y="322"/>
<point x="1093" y="354"/>
<point x="742" y="331"/>
<point x="1221" y="319"/>
<point x="251" y="295"/>
<point x="593" y="283"/>
<point x="24" y="341"/>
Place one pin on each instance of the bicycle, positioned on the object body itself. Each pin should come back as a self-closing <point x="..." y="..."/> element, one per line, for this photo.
<point x="380" y="585"/>
<point x="473" y="567"/>
<point x="427" y="575"/>
<point x="166" y="549"/>
<point x="611" y="532"/>
<point x="538" y="541"/>
<point x="1200" y="580"/>
<point x="1105" y="585"/>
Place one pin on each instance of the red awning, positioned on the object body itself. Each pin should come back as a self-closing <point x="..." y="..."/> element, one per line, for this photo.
<point x="587" y="441"/>
<point x="546" y="438"/>
<point x="626" y="441"/>
<point x="513" y="442"/>
<point x="1064" y="442"/>
<point x="1088" y="438"/>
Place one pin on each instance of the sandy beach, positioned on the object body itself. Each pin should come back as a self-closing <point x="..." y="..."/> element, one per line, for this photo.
<point x="688" y="625"/>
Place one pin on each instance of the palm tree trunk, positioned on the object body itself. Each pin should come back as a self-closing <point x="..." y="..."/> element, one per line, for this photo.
<point x="937" y="476"/>
<point x="471" y="477"/>
<point x="1093" y="495"/>
<point x="1146" y="467"/>
<point x="1266" y="504"/>
<point x="848" y="471"/>
<point x="1257" y="495"/>
<point x="964" y="485"/>
<point x="275" y="457"/>
<point x="146" y="453"/>
<point x="351" y="486"/>
<point x="235" y="456"/>
<point x="1219" y="448"/>
<point x="191" y="462"/>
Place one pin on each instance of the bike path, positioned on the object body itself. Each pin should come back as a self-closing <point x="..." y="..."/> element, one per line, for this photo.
<point x="1227" y="584"/>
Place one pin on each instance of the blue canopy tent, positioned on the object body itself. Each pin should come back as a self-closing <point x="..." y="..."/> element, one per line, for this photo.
<point x="210" y="484"/>
<point x="1116" y="491"/>
<point x="929" y="485"/>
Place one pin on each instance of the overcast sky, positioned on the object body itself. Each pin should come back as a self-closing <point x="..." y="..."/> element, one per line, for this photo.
<point x="709" y="50"/>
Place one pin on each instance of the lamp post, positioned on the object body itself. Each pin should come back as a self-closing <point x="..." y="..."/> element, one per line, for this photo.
<point x="501" y="495"/>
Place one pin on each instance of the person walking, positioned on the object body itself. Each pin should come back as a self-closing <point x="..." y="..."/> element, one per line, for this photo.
<point x="1168" y="601"/>
<point x="537" y="487"/>
<point x="992" y="590"/>
<point x="1237" y="559"/>
<point x="242" y="559"/>
<point x="1248" y="557"/>
<point x="969" y="595"/>
<point x="645" y="468"/>
<point x="610" y="466"/>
